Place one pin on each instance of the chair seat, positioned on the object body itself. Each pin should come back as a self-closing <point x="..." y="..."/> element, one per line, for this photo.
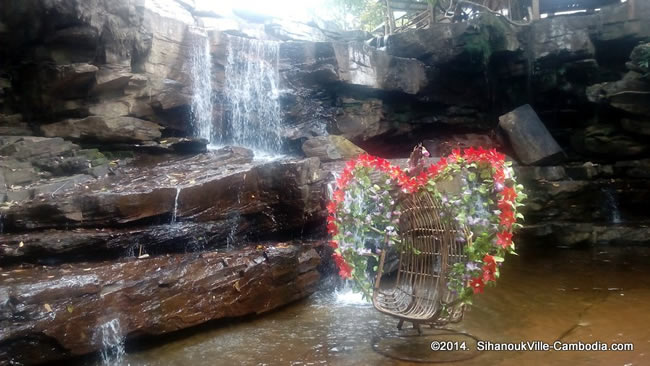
<point x="430" y="248"/>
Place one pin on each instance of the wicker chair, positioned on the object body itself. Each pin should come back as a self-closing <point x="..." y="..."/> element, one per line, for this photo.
<point x="419" y="293"/>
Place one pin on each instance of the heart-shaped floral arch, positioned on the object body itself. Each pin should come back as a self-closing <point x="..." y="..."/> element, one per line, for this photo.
<point x="364" y="212"/>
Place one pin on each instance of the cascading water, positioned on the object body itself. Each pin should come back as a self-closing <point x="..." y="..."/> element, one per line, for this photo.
<point x="611" y="205"/>
<point x="112" y="340"/>
<point x="178" y="193"/>
<point x="252" y="84"/>
<point x="201" y="72"/>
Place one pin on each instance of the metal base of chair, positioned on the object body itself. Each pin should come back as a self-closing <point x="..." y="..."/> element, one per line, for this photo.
<point x="414" y="344"/>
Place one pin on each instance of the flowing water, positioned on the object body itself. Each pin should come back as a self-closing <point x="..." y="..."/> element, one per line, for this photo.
<point x="252" y="81"/>
<point x="178" y="192"/>
<point x="112" y="340"/>
<point x="202" y="102"/>
<point x="611" y="205"/>
<point x="544" y="294"/>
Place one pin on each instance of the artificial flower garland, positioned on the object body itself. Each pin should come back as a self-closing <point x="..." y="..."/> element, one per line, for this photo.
<point x="364" y="213"/>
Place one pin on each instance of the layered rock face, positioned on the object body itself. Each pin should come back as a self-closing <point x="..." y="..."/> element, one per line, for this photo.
<point x="47" y="314"/>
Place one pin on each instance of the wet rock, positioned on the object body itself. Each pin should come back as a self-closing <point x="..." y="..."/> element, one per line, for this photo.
<point x="361" y="119"/>
<point x="13" y="125"/>
<point x="40" y="188"/>
<point x="633" y="168"/>
<point x="529" y="138"/>
<point x="571" y="234"/>
<point x="362" y="65"/>
<point x="607" y="141"/>
<point x="589" y="170"/>
<point x="27" y="148"/>
<point x="216" y="186"/>
<point x="636" y="126"/>
<point x="52" y="246"/>
<point x="110" y="78"/>
<point x="532" y="173"/>
<point x="72" y="79"/>
<point x="561" y="39"/>
<point x="59" y="309"/>
<point x="439" y="43"/>
<point x="444" y="145"/>
<point x="185" y="145"/>
<point x="329" y="148"/>
<point x="630" y="94"/>
<point x="95" y="128"/>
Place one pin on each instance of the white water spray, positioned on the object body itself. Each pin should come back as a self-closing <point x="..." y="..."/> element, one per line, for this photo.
<point x="252" y="82"/>
<point x="201" y="72"/>
<point x="348" y="297"/>
<point x="178" y="192"/>
<point x="112" y="341"/>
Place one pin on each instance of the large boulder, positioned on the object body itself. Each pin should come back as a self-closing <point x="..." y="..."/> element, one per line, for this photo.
<point x="96" y="128"/>
<point x="530" y="139"/>
<point x="49" y="313"/>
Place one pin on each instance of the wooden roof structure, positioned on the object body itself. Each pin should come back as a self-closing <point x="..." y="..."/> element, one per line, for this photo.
<point x="418" y="14"/>
<point x="556" y="6"/>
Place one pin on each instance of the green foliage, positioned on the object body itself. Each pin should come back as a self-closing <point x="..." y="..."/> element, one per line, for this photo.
<point x="487" y="36"/>
<point x="358" y="14"/>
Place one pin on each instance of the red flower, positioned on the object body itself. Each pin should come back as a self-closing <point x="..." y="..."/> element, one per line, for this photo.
<point x="334" y="244"/>
<point x="504" y="205"/>
<point x="507" y="218"/>
<point x="477" y="285"/>
<point x="499" y="176"/>
<point x="441" y="164"/>
<point x="433" y="171"/>
<point x="488" y="274"/>
<point x="504" y="239"/>
<point x="422" y="179"/>
<point x="331" y="207"/>
<point x="332" y="228"/>
<point x="338" y="196"/>
<point x="490" y="264"/>
<point x="345" y="270"/>
<point x="489" y="260"/>
<point x="343" y="181"/>
<point x="509" y="194"/>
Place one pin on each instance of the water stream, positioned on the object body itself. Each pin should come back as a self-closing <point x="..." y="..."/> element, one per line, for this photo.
<point x="112" y="340"/>
<point x="252" y="81"/>
<point x="543" y="294"/>
<point x="178" y="192"/>
<point x="201" y="72"/>
<point x="611" y="205"/>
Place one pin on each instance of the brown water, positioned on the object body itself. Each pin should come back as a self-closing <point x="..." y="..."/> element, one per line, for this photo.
<point x="542" y="295"/>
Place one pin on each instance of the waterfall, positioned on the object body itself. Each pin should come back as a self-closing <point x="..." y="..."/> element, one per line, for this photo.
<point x="112" y="340"/>
<point x="178" y="192"/>
<point x="201" y="72"/>
<point x="611" y="205"/>
<point x="252" y="82"/>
